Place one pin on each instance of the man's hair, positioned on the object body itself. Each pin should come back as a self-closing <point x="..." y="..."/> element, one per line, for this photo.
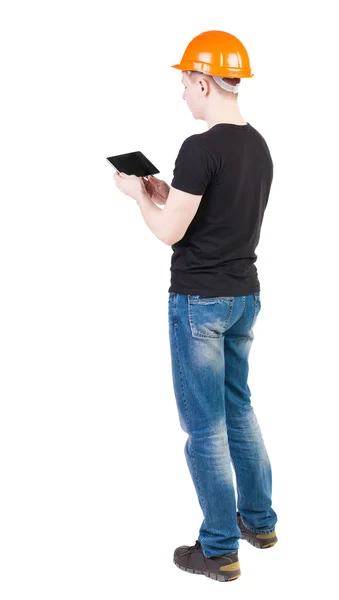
<point x="194" y="75"/>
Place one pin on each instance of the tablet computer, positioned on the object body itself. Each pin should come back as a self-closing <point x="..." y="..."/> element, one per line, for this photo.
<point x="133" y="163"/>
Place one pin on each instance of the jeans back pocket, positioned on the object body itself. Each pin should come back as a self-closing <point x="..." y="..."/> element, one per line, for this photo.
<point x="209" y="315"/>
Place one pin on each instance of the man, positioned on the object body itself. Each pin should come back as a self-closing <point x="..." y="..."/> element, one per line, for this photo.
<point x="212" y="217"/>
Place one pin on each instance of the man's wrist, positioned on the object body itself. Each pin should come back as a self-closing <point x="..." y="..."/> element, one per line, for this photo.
<point x="144" y="197"/>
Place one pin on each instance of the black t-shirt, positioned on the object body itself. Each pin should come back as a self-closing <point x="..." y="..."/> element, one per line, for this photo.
<point x="232" y="167"/>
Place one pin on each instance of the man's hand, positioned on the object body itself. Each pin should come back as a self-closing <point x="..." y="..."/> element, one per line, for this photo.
<point x="131" y="185"/>
<point x="157" y="189"/>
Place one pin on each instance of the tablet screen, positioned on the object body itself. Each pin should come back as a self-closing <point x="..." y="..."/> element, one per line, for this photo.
<point x="133" y="163"/>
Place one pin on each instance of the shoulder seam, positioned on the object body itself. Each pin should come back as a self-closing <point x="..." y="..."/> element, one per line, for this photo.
<point x="204" y="147"/>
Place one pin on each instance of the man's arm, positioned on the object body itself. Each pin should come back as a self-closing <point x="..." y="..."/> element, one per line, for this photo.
<point x="153" y="216"/>
<point x="170" y="223"/>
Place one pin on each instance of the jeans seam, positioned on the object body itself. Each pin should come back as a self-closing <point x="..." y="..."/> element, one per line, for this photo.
<point x="256" y="312"/>
<point x="186" y="416"/>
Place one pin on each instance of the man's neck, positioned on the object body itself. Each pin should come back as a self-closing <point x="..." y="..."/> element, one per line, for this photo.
<point x="228" y="113"/>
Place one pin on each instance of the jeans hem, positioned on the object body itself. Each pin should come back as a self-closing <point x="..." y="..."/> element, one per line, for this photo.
<point x="259" y="530"/>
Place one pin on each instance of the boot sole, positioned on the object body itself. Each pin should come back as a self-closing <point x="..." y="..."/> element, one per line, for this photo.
<point x="257" y="544"/>
<point x="253" y="540"/>
<point x="216" y="576"/>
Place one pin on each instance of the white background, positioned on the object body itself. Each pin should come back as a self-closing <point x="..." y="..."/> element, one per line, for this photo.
<point x="95" y="492"/>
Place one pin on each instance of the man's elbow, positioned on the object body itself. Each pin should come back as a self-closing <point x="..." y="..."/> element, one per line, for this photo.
<point x="173" y="236"/>
<point x="167" y="241"/>
<point x="170" y="240"/>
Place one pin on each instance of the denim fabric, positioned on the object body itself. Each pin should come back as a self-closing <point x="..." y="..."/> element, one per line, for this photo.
<point x="210" y="341"/>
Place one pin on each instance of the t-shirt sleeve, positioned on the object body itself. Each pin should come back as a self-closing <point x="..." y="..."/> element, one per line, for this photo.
<point x="193" y="169"/>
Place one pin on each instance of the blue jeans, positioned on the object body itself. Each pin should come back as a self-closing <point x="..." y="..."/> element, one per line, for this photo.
<point x="210" y="341"/>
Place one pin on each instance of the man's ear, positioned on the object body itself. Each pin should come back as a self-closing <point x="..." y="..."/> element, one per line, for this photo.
<point x="203" y="84"/>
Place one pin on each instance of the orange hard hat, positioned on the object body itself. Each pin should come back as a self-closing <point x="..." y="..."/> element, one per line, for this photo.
<point x="216" y="53"/>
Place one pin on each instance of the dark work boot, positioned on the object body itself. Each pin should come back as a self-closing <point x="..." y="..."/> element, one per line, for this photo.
<point x="224" y="567"/>
<point x="259" y="540"/>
